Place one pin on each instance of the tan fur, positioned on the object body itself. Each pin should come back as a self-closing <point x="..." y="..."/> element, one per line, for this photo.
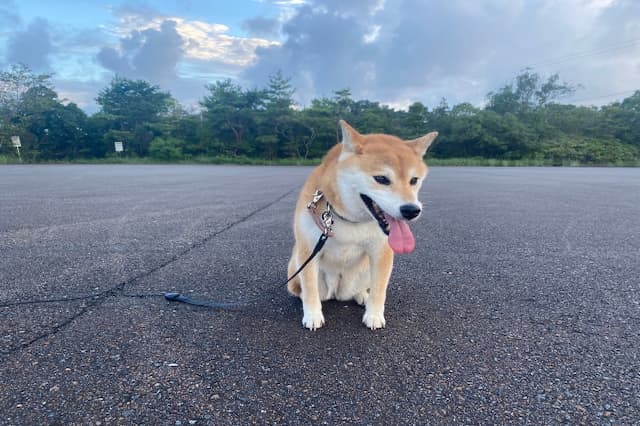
<point x="356" y="262"/>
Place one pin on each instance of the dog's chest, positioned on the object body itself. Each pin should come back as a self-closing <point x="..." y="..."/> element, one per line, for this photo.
<point x="351" y="242"/>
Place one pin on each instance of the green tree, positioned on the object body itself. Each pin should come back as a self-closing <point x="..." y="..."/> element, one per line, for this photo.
<point x="576" y="120"/>
<point x="229" y="114"/>
<point x="320" y="117"/>
<point x="279" y="129"/>
<point x="624" y="119"/>
<point x="31" y="109"/>
<point x="528" y="92"/>
<point x="522" y="119"/>
<point x="166" y="149"/>
<point x="59" y="130"/>
<point x="97" y="144"/>
<point x="279" y="93"/>
<point x="16" y="84"/>
<point x="187" y="127"/>
<point x="417" y="120"/>
<point x="343" y="105"/>
<point x="441" y="121"/>
<point x="133" y="106"/>
<point x="585" y="150"/>
<point x="503" y="136"/>
<point x="133" y="102"/>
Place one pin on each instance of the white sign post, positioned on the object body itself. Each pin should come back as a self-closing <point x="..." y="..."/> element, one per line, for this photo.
<point x="15" y="141"/>
<point x="118" y="146"/>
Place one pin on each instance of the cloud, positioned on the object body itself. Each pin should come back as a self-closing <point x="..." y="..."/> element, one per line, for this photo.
<point x="178" y="54"/>
<point x="151" y="54"/>
<point x="323" y="51"/>
<point x="262" y="27"/>
<point x="82" y="93"/>
<point x="31" y="46"/>
<point x="9" y="18"/>
<point x="460" y="50"/>
<point x="200" y="40"/>
<point x="206" y="41"/>
<point x="620" y="21"/>
<point x="289" y="2"/>
<point x="394" y="52"/>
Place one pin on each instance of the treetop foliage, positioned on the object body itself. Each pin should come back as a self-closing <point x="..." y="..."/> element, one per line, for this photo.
<point x="524" y="119"/>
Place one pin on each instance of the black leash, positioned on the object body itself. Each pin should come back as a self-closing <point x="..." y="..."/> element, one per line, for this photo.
<point x="325" y="222"/>
<point x="177" y="297"/>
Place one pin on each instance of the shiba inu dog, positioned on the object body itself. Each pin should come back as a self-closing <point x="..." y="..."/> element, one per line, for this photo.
<point x="371" y="183"/>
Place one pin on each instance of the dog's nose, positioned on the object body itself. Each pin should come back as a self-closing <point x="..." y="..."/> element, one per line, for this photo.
<point x="410" y="211"/>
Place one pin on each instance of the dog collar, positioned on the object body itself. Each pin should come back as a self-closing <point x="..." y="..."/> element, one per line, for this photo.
<point x="324" y="220"/>
<point x="342" y="218"/>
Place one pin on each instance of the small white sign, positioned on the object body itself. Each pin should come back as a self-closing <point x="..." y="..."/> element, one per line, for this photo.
<point x="118" y="146"/>
<point x="15" y="141"/>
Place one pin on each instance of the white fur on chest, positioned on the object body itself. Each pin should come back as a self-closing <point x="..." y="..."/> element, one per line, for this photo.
<point x="349" y="241"/>
<point x="344" y="262"/>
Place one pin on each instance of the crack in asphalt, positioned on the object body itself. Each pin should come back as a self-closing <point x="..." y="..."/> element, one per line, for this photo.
<point x="97" y="300"/>
<point x="118" y="290"/>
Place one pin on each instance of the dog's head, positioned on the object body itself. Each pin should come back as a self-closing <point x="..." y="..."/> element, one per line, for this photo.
<point x="379" y="176"/>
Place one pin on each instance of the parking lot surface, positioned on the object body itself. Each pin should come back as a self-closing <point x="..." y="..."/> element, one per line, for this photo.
<point x="521" y="303"/>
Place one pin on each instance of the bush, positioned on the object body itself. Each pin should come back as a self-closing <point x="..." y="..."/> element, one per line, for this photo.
<point x="5" y="159"/>
<point x="585" y="150"/>
<point x="168" y="149"/>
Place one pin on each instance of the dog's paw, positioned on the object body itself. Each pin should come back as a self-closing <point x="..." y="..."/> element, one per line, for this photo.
<point x="373" y="320"/>
<point x="313" y="320"/>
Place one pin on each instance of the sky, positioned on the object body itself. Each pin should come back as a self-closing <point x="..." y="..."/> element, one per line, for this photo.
<point x="393" y="51"/>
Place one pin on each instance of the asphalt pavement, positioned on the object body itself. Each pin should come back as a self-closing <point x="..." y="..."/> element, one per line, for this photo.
<point x="520" y="305"/>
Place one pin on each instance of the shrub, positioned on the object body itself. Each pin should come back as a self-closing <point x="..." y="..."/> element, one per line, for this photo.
<point x="168" y="149"/>
<point x="585" y="150"/>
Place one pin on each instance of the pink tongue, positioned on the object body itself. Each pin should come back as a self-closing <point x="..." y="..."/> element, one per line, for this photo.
<point x="400" y="236"/>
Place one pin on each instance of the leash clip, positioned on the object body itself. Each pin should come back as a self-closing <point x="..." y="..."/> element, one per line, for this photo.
<point x="317" y="196"/>
<point x="325" y="219"/>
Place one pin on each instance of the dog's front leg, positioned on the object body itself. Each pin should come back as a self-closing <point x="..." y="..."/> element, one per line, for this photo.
<point x="381" y="266"/>
<point x="311" y="306"/>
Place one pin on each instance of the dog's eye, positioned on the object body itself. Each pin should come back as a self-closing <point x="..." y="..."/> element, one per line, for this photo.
<point x="382" y="180"/>
<point x="413" y="181"/>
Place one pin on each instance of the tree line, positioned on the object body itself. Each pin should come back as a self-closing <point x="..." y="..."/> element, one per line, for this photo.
<point x="522" y="120"/>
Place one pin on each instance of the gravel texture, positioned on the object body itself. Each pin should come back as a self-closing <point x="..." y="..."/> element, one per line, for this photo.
<point x="520" y="305"/>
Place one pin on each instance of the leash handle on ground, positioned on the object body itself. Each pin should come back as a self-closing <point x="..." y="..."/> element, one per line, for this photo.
<point x="177" y="297"/>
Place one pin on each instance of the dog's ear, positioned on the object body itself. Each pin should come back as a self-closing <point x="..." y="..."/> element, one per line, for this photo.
<point x="350" y="139"/>
<point x="422" y="144"/>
